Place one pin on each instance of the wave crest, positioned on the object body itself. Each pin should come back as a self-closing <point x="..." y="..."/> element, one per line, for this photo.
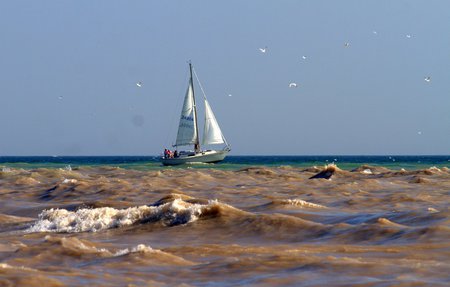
<point x="171" y="213"/>
<point x="302" y="203"/>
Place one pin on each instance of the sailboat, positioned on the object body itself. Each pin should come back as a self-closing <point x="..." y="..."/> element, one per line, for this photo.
<point x="188" y="134"/>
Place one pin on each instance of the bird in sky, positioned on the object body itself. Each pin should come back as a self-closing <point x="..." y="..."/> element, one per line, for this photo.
<point x="427" y="79"/>
<point x="408" y="36"/>
<point x="347" y="44"/>
<point x="139" y="84"/>
<point x="263" y="50"/>
<point x="60" y="97"/>
<point x="292" y="85"/>
<point x="304" y="57"/>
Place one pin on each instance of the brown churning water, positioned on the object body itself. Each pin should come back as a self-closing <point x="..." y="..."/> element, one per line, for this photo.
<point x="260" y="226"/>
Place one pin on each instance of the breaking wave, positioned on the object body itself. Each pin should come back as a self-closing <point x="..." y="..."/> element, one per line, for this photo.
<point x="171" y="213"/>
<point x="298" y="202"/>
<point x="79" y="247"/>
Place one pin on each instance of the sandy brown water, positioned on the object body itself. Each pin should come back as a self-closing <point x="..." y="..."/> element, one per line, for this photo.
<point x="106" y="226"/>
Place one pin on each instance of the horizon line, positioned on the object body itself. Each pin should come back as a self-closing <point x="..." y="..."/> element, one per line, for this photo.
<point x="249" y="155"/>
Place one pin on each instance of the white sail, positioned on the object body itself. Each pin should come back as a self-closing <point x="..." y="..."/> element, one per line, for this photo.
<point x="187" y="132"/>
<point x="212" y="133"/>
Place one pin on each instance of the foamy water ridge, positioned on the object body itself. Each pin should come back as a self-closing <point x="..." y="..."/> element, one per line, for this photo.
<point x="302" y="203"/>
<point x="91" y="220"/>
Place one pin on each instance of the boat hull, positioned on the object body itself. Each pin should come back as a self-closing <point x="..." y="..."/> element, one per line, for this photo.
<point x="209" y="156"/>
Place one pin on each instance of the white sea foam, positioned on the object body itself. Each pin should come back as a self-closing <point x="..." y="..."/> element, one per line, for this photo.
<point x="75" y="243"/>
<point x="91" y="220"/>
<point x="69" y="180"/>
<point x="434" y="169"/>
<point x="300" y="202"/>
<point x="7" y="266"/>
<point x="141" y="248"/>
<point x="367" y="171"/>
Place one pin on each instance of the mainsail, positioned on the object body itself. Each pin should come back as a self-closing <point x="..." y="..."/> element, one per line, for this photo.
<point x="211" y="133"/>
<point x="187" y="131"/>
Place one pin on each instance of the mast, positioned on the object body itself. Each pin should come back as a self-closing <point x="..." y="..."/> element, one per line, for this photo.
<point x="197" y="141"/>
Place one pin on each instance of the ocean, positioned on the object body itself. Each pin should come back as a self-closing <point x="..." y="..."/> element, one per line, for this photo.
<point x="249" y="220"/>
<point x="230" y="162"/>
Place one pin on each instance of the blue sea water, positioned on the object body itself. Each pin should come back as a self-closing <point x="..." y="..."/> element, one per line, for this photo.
<point x="230" y="163"/>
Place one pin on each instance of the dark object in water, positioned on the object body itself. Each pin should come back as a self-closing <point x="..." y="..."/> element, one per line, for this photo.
<point x="326" y="173"/>
<point x="47" y="195"/>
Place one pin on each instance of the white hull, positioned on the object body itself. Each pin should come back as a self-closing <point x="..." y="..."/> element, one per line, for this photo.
<point x="209" y="156"/>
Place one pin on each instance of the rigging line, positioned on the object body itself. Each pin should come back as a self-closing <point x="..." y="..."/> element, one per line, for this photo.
<point x="200" y="84"/>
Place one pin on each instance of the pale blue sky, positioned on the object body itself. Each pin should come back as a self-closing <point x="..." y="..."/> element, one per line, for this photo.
<point x="367" y="98"/>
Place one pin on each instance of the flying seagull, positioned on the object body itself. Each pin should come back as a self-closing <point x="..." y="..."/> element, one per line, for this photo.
<point x="347" y="44"/>
<point x="408" y="36"/>
<point x="292" y="85"/>
<point x="427" y="79"/>
<point x="139" y="84"/>
<point x="304" y="57"/>
<point x="263" y="50"/>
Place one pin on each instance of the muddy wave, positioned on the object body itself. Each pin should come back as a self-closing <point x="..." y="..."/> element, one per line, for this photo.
<point x="78" y="247"/>
<point x="328" y="171"/>
<point x="172" y="213"/>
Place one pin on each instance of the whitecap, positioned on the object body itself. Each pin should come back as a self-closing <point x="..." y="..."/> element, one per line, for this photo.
<point x="303" y="203"/>
<point x="435" y="169"/>
<point x="367" y="171"/>
<point x="171" y="213"/>
<point x="69" y="180"/>
<point x="7" y="266"/>
<point x="141" y="248"/>
<point x="75" y="243"/>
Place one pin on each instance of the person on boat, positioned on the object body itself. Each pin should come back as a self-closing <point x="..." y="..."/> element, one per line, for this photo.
<point x="175" y="153"/>
<point x="196" y="148"/>
<point x="166" y="153"/>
